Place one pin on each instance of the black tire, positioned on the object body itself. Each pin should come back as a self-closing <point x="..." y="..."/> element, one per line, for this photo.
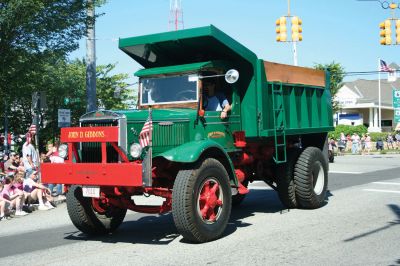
<point x="285" y="179"/>
<point x="311" y="178"/>
<point x="86" y="219"/>
<point x="186" y="203"/>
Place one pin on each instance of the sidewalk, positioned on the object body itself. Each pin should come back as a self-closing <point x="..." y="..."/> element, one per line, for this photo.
<point x="373" y="152"/>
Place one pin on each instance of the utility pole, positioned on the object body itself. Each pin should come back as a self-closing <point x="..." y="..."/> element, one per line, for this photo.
<point x="91" y="59"/>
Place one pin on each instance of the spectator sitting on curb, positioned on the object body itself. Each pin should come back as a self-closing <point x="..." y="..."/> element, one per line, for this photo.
<point x="34" y="192"/>
<point x="14" y="195"/>
<point x="53" y="156"/>
<point x="21" y="168"/>
<point x="4" y="203"/>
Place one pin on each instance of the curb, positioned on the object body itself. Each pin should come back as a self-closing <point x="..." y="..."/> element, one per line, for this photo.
<point x="57" y="201"/>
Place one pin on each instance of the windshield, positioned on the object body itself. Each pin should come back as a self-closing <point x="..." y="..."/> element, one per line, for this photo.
<point x="165" y="90"/>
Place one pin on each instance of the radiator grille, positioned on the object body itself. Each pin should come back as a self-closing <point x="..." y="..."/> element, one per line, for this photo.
<point x="165" y="134"/>
<point x="170" y="135"/>
<point x="91" y="151"/>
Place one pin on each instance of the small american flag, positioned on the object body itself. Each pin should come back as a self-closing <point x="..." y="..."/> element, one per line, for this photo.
<point x="384" y="67"/>
<point x="145" y="134"/>
<point x="32" y="129"/>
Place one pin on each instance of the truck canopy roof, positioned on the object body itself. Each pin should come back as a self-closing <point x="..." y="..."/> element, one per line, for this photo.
<point x="185" y="47"/>
<point x="180" y="68"/>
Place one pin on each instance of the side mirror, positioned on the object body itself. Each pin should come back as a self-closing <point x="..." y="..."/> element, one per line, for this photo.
<point x="231" y="76"/>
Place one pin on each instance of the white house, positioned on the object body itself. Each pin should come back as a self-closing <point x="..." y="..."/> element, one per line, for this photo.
<point x="358" y="103"/>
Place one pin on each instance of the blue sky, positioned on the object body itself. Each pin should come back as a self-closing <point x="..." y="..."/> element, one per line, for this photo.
<point x="344" y="31"/>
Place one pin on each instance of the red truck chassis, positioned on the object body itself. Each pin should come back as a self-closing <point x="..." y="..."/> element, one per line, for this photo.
<point x="118" y="181"/>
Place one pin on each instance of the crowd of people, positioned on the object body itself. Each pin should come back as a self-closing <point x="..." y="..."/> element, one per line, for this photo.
<point x="20" y="186"/>
<point x="363" y="144"/>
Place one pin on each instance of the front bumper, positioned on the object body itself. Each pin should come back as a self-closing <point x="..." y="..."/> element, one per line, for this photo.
<point x="96" y="174"/>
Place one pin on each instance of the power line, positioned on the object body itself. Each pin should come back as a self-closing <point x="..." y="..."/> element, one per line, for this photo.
<point x="365" y="73"/>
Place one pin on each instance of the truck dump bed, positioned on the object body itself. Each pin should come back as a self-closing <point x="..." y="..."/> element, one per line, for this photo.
<point x="293" y="74"/>
<point x="295" y="99"/>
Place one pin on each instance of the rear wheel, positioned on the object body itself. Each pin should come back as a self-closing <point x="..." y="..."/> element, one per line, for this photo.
<point x="285" y="179"/>
<point x="89" y="216"/>
<point x="201" y="201"/>
<point x="311" y="178"/>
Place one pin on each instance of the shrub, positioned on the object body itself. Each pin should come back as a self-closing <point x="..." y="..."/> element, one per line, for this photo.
<point x="360" y="129"/>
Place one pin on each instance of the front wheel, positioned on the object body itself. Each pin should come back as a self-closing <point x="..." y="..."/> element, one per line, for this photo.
<point x="86" y="215"/>
<point x="201" y="201"/>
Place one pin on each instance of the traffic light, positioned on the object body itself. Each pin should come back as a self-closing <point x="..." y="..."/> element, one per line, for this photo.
<point x="281" y="29"/>
<point x="398" y="31"/>
<point x="386" y="32"/>
<point x="296" y="29"/>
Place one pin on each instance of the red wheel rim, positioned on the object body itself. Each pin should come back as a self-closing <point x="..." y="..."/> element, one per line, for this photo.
<point x="210" y="200"/>
<point x="96" y="205"/>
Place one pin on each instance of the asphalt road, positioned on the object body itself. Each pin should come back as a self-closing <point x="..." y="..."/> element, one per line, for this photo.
<point x="360" y="225"/>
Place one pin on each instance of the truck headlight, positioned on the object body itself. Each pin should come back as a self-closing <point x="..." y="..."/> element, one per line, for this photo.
<point x="135" y="150"/>
<point x="63" y="151"/>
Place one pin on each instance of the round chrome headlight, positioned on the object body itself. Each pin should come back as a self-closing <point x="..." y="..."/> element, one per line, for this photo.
<point x="135" y="150"/>
<point x="63" y="151"/>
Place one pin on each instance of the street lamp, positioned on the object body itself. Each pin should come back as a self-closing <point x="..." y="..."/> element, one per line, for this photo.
<point x="296" y="30"/>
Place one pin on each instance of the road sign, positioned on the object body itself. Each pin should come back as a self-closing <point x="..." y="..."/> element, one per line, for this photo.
<point x="396" y="105"/>
<point x="64" y="117"/>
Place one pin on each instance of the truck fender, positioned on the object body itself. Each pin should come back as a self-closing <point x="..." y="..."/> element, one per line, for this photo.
<point x="192" y="151"/>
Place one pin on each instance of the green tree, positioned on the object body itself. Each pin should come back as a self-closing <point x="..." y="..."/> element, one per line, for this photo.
<point x="67" y="80"/>
<point x="34" y="35"/>
<point x="111" y="89"/>
<point x="337" y="73"/>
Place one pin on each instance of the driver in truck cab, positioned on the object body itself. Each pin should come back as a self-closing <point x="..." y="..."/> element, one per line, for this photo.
<point x="215" y="101"/>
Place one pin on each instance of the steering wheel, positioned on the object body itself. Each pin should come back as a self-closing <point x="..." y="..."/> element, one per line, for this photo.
<point x="185" y="95"/>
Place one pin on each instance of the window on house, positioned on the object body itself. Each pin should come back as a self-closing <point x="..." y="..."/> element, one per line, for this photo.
<point x="386" y="123"/>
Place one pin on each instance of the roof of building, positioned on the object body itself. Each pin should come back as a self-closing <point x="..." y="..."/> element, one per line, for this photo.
<point x="394" y="66"/>
<point x="369" y="92"/>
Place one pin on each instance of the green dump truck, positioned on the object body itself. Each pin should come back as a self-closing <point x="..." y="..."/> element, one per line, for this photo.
<point x="267" y="122"/>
